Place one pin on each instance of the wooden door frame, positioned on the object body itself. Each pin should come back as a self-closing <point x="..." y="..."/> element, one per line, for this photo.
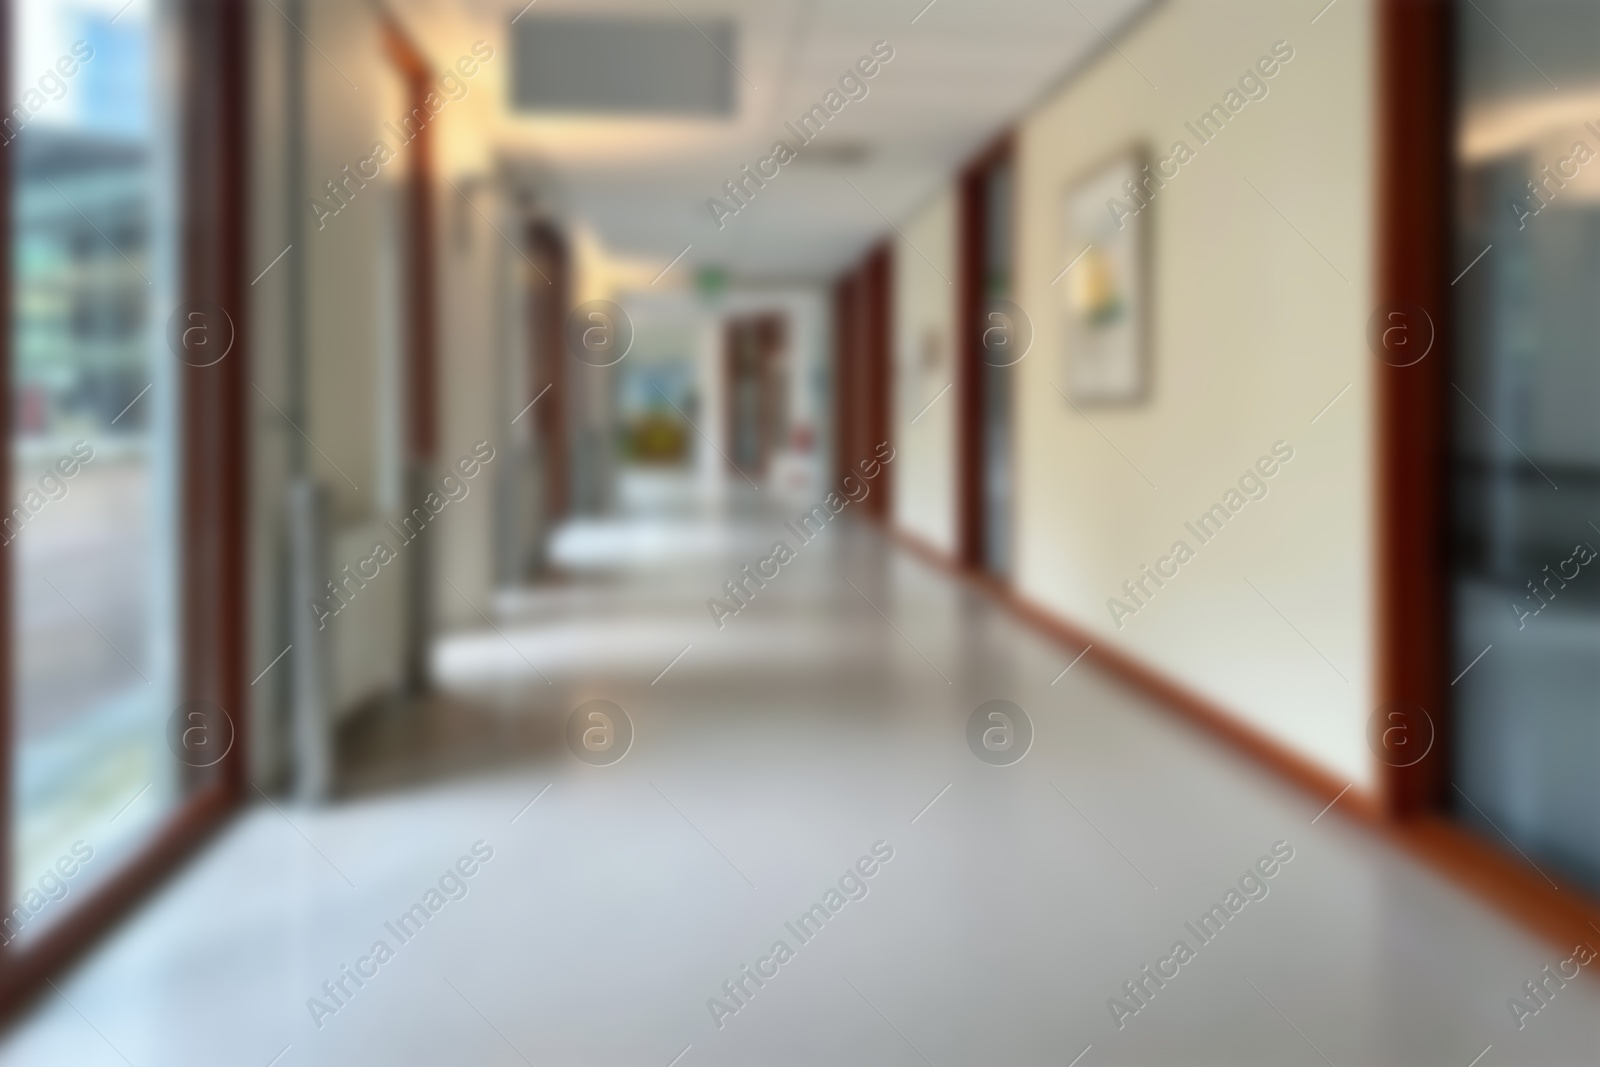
<point x="864" y="371"/>
<point x="421" y="435"/>
<point x="773" y="331"/>
<point x="971" y="231"/>
<point x="1415" y="112"/>
<point x="733" y="331"/>
<point x="877" y="374"/>
<point x="1416" y="182"/>
<point x="547" y="355"/>
<point x="766" y="331"/>
<point x="214" y="497"/>
<point x="846" y="372"/>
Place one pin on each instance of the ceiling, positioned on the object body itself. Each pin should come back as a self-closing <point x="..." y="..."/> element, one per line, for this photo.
<point x="961" y="71"/>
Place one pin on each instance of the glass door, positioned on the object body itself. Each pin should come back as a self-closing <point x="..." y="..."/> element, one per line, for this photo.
<point x="1524" y="440"/>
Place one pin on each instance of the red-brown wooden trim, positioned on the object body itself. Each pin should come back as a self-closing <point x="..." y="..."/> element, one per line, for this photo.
<point x="968" y="392"/>
<point x="24" y="972"/>
<point x="1489" y="870"/>
<point x="733" y="331"/>
<point x="971" y="229"/>
<point x="8" y="731"/>
<point x="215" y="463"/>
<point x="877" y="373"/>
<point x="1416" y="124"/>
<point x="772" y="333"/>
<point x="846" y="373"/>
<point x="1172" y="694"/>
<point x="547" y="360"/>
<point x="863" y="308"/>
<point x="422" y="436"/>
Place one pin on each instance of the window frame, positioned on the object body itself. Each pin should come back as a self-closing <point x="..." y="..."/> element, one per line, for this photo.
<point x="211" y="37"/>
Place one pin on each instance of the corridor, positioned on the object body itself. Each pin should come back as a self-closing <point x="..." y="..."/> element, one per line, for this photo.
<point x="827" y="722"/>
<point x="832" y="533"/>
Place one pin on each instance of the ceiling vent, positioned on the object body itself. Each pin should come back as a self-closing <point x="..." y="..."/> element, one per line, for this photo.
<point x="624" y="66"/>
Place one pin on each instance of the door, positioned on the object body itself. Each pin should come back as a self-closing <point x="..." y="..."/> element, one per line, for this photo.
<point x="1524" y="445"/>
<point x="756" y="391"/>
<point x="996" y="464"/>
<point x="988" y="354"/>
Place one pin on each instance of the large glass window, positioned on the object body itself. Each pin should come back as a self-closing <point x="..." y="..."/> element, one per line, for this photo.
<point x="90" y="519"/>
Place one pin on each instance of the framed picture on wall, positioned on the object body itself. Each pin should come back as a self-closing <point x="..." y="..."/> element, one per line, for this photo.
<point x="1106" y="290"/>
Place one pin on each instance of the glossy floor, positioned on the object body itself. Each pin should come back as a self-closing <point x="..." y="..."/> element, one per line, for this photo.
<point x="825" y="723"/>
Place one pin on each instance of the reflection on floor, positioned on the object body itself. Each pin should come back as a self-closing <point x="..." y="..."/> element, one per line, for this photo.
<point x="622" y="904"/>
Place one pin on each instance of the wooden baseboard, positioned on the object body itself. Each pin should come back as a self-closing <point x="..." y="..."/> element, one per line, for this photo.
<point x="1308" y="776"/>
<point x="1562" y="917"/>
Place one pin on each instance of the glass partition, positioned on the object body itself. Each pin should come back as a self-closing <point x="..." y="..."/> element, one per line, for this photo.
<point x="1525" y="440"/>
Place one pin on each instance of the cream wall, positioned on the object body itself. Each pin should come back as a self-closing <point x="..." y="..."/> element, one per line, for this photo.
<point x="1253" y="333"/>
<point x="470" y="252"/>
<point x="924" y="308"/>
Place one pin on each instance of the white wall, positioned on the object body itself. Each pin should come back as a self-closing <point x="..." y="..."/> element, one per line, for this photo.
<point x="925" y="312"/>
<point x="1253" y="333"/>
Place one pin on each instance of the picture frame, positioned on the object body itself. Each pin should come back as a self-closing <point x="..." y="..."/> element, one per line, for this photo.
<point x="1106" y="292"/>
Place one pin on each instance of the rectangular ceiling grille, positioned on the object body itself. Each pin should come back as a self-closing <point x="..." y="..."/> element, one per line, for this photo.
<point x="624" y="66"/>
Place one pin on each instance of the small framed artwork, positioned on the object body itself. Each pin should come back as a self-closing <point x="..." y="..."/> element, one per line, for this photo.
<point x="1106" y="290"/>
